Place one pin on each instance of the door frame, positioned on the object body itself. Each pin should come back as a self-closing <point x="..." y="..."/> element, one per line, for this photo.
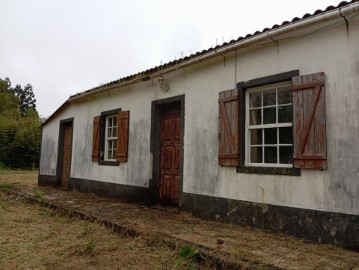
<point x="155" y="144"/>
<point x="60" y="150"/>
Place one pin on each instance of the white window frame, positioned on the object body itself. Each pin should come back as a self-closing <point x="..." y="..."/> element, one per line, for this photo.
<point x="264" y="126"/>
<point x="112" y="138"/>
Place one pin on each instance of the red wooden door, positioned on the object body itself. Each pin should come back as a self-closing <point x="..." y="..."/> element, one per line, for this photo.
<point x="66" y="162"/>
<point x="170" y="154"/>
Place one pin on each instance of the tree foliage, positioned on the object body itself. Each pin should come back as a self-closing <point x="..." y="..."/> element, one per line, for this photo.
<point x="26" y="98"/>
<point x="20" y="134"/>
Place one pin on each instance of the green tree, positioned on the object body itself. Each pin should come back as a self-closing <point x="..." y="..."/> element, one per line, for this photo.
<point x="9" y="102"/>
<point x="20" y="134"/>
<point x="26" y="97"/>
<point x="25" y="147"/>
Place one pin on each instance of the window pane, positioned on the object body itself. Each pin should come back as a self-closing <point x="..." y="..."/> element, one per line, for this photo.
<point x="256" y="154"/>
<point x="114" y="132"/>
<point x="256" y="136"/>
<point x="255" y="99"/>
<point x="269" y="97"/>
<point x="114" y="144"/>
<point x="109" y="122"/>
<point x="114" y="123"/>
<point x="109" y="154"/>
<point x="113" y="155"/>
<point x="286" y="135"/>
<point x="109" y="132"/>
<point x="269" y="116"/>
<point x="270" y="154"/>
<point x="284" y="95"/>
<point x="285" y="114"/>
<point x="255" y="117"/>
<point x="285" y="154"/>
<point x="270" y="136"/>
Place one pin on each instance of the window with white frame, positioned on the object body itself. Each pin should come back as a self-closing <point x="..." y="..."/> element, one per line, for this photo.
<point x="111" y="138"/>
<point x="269" y="132"/>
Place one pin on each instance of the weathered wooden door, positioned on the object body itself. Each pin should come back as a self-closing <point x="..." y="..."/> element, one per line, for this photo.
<point x="66" y="162"/>
<point x="170" y="154"/>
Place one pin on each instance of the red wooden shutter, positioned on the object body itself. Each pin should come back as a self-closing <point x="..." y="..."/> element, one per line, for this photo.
<point x="310" y="146"/>
<point x="228" y="135"/>
<point x="95" y="138"/>
<point x="122" y="135"/>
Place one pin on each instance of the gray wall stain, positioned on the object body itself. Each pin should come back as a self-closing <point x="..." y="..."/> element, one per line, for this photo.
<point x="342" y="107"/>
<point x="205" y="163"/>
<point x="48" y="157"/>
<point x="344" y="175"/>
<point x="81" y="151"/>
<point x="139" y="149"/>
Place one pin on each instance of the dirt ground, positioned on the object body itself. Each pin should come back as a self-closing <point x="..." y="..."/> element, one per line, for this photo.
<point x="251" y="246"/>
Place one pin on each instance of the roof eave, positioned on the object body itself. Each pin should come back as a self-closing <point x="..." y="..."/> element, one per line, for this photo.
<point x="339" y="13"/>
<point x="270" y="35"/>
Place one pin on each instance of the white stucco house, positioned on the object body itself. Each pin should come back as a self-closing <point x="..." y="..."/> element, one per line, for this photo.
<point x="261" y="131"/>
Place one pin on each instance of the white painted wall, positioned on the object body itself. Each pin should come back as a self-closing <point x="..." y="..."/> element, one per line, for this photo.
<point x="331" y="51"/>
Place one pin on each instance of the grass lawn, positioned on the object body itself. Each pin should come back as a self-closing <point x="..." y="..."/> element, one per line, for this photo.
<point x="36" y="237"/>
<point x="19" y="176"/>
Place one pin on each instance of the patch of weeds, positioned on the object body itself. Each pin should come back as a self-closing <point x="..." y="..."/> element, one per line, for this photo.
<point x="189" y="253"/>
<point x="61" y="251"/>
<point x="39" y="238"/>
<point x="24" y="220"/>
<point x="249" y="256"/>
<point x="2" y="205"/>
<point x="82" y="249"/>
<point x="89" y="247"/>
<point x="86" y="231"/>
<point x="38" y="194"/>
<point x="191" y="266"/>
<point x="191" y="256"/>
<point x="69" y="214"/>
<point x="43" y="211"/>
<point x="185" y="265"/>
<point x="6" y="241"/>
<point x="3" y="167"/>
<point x="5" y="186"/>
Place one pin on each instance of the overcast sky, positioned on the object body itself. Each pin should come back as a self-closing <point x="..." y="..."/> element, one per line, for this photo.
<point x="64" y="47"/>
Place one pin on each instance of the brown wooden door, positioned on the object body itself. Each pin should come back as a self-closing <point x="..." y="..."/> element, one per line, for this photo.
<point x="66" y="163"/>
<point x="170" y="154"/>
